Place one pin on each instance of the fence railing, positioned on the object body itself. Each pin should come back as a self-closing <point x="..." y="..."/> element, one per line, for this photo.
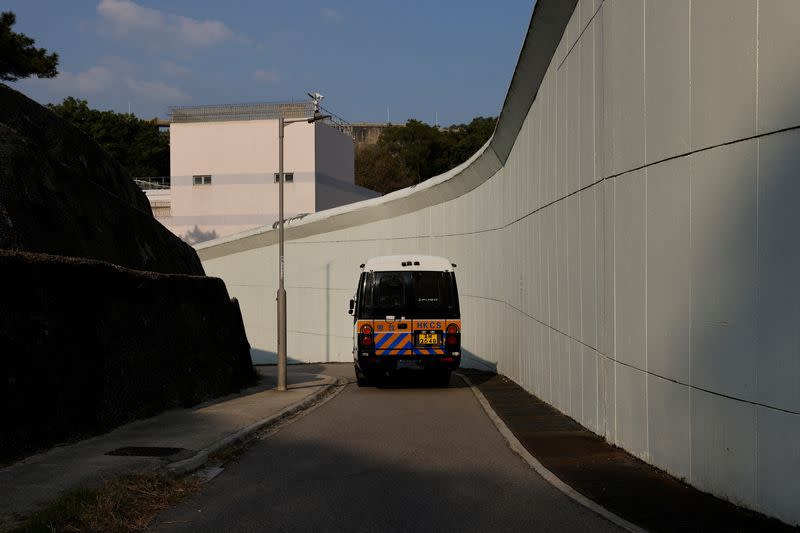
<point x="149" y="184"/>
<point x="255" y="111"/>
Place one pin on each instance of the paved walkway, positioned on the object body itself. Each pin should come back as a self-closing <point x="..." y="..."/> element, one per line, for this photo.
<point x="40" y="478"/>
<point x="607" y="474"/>
<point x="405" y="456"/>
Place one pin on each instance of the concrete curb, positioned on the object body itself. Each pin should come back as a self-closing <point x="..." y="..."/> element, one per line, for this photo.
<point x="540" y="469"/>
<point x="200" y="458"/>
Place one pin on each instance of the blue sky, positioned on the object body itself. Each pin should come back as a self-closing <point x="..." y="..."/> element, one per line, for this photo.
<point x="416" y="57"/>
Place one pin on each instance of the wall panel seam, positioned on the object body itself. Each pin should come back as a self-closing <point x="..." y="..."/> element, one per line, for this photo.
<point x="643" y="370"/>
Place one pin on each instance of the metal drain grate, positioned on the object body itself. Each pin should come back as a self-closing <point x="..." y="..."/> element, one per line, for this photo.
<point x="145" y="451"/>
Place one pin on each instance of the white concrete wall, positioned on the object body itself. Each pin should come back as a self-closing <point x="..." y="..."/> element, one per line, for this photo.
<point x="331" y="192"/>
<point x="334" y="154"/>
<point x="239" y="147"/>
<point x="627" y="242"/>
<point x="242" y="158"/>
<point x="236" y="202"/>
<point x="335" y="169"/>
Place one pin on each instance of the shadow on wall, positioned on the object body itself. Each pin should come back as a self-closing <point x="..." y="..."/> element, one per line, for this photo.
<point x="740" y="343"/>
<point x="196" y="235"/>
<point x="471" y="360"/>
<point x="468" y="360"/>
<point x="706" y="302"/>
<point x="265" y="357"/>
<point x="327" y="311"/>
<point x="306" y="368"/>
<point x="268" y="357"/>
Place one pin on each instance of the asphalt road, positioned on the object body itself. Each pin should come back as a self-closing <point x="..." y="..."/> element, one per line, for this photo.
<point x="404" y="458"/>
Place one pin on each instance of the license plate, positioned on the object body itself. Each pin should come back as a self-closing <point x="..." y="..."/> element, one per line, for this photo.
<point x="428" y="339"/>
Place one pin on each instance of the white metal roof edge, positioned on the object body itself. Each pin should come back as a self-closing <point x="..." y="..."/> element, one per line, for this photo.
<point x="393" y="204"/>
<point x="385" y="263"/>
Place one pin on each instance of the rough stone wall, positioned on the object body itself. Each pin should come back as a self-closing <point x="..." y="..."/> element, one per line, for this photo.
<point x="60" y="193"/>
<point x="86" y="346"/>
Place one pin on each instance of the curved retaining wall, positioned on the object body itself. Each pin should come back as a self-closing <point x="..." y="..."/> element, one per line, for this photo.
<point x="626" y="242"/>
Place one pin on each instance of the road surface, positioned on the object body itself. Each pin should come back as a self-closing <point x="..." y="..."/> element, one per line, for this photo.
<point x="406" y="458"/>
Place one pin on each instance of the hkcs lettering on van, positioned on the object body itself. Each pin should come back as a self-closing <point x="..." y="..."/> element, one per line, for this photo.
<point x="428" y="324"/>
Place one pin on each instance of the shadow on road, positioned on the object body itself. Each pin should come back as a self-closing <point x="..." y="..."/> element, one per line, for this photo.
<point x="383" y="460"/>
<point x="409" y="379"/>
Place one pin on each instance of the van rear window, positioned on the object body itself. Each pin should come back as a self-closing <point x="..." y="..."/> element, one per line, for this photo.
<point x="411" y="294"/>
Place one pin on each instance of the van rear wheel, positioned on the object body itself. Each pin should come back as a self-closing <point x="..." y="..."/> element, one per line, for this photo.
<point x="443" y="378"/>
<point x="361" y="379"/>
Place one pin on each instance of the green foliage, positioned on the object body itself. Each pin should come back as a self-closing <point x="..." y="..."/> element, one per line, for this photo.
<point x="406" y="155"/>
<point x="381" y="171"/>
<point x="19" y="58"/>
<point x="136" y="144"/>
<point x="470" y="137"/>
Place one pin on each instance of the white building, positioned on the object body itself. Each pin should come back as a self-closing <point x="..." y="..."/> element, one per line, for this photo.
<point x="224" y="165"/>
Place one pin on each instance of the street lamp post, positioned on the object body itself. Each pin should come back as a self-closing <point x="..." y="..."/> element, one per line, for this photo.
<point x="281" y="299"/>
<point x="281" y="289"/>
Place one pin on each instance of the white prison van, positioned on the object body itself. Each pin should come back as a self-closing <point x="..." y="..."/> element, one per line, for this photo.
<point x="406" y="316"/>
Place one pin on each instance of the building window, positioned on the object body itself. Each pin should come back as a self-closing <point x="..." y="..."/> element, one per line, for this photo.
<point x="161" y="209"/>
<point x="201" y="180"/>
<point x="287" y="176"/>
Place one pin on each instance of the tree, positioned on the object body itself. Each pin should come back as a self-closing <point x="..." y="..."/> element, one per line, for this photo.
<point x="19" y="58"/>
<point x="422" y="148"/>
<point x="135" y="143"/>
<point x="380" y="170"/>
<point x="468" y="138"/>
<point x="405" y="155"/>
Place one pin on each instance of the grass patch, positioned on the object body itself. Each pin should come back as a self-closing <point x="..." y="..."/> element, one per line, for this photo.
<point x="127" y="503"/>
<point x="228" y="454"/>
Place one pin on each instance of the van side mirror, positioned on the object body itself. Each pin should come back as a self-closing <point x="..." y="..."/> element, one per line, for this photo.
<point x="352" y="306"/>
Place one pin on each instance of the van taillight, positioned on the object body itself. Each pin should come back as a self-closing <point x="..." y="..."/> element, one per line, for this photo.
<point x="365" y="337"/>
<point x="451" y="338"/>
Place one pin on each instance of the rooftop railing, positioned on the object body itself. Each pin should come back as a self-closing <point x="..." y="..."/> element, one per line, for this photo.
<point x="255" y="111"/>
<point x="155" y="183"/>
<point x="212" y="113"/>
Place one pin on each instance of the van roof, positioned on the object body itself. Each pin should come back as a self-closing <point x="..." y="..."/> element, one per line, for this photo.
<point x="408" y="262"/>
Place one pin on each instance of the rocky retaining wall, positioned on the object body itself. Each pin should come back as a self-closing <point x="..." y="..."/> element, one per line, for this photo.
<point x="86" y="346"/>
<point x="61" y="193"/>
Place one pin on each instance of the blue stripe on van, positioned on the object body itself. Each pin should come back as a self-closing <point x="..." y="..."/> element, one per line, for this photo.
<point x="403" y="337"/>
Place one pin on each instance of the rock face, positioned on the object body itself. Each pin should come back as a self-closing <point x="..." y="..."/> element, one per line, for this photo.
<point x="86" y="346"/>
<point x="62" y="194"/>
